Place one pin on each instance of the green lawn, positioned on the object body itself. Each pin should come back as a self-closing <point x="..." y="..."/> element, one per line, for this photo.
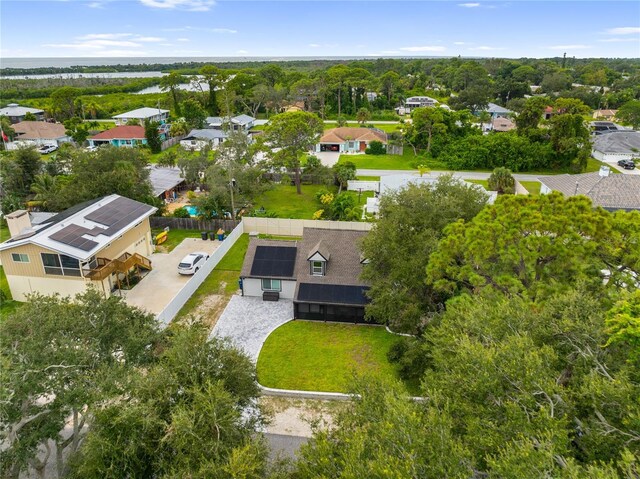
<point x="4" y="233"/>
<point x="368" y="178"/>
<point x="407" y="161"/>
<point x="316" y="356"/>
<point x="533" y="187"/>
<point x="174" y="238"/>
<point x="223" y="279"/>
<point x="286" y="203"/>
<point x="7" y="305"/>
<point x="386" y="127"/>
<point x="484" y="183"/>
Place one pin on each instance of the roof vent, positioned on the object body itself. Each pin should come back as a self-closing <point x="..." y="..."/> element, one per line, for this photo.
<point x="604" y="171"/>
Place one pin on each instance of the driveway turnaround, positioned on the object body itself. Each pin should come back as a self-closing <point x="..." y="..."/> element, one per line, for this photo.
<point x="248" y="321"/>
<point x="163" y="282"/>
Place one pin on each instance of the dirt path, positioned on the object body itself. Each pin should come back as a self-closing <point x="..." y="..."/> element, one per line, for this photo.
<point x="298" y="417"/>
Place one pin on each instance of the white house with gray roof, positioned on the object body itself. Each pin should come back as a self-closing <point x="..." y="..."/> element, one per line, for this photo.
<point x="616" y="145"/>
<point x="237" y="123"/>
<point x="196" y="140"/>
<point x="16" y="113"/>
<point x="141" y="115"/>
<point x="609" y="191"/>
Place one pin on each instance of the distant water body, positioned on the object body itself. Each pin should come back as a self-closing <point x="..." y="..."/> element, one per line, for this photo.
<point x="90" y="62"/>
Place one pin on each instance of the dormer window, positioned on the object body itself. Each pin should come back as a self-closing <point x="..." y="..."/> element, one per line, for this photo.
<point x="318" y="258"/>
<point x="317" y="268"/>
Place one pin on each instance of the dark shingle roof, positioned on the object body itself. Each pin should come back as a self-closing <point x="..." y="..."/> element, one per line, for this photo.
<point x="618" y="142"/>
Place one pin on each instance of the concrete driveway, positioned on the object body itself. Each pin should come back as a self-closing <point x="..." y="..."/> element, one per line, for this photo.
<point x="248" y="321"/>
<point x="159" y="287"/>
<point x="327" y="158"/>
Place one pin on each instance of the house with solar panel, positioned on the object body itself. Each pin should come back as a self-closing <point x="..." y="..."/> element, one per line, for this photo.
<point x="320" y="274"/>
<point x="95" y="243"/>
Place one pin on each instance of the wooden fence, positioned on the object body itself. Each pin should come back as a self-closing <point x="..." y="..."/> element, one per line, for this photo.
<point x="192" y="224"/>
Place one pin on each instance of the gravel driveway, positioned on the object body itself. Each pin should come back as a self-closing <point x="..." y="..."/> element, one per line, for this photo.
<point x="247" y="321"/>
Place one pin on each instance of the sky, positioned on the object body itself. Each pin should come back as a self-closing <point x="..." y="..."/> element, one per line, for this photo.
<point x="378" y="28"/>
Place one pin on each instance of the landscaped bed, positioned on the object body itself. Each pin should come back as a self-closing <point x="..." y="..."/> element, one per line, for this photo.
<point x="316" y="356"/>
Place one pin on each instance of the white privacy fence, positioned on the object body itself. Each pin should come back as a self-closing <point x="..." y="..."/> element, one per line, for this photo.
<point x="290" y="227"/>
<point x="171" y="310"/>
<point x="362" y="185"/>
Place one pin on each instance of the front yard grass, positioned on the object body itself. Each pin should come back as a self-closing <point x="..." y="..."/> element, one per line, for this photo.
<point x="406" y="161"/>
<point x="317" y="356"/>
<point x="223" y="280"/>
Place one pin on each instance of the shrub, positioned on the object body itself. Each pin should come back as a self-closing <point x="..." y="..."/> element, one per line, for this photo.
<point x="410" y="358"/>
<point x="376" y="148"/>
<point x="181" y="213"/>
<point x="191" y="195"/>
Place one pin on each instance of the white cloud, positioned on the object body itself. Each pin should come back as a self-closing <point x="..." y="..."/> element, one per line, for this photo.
<point x="200" y="29"/>
<point x="469" y="5"/>
<point x="484" y="48"/>
<point x="423" y="49"/>
<point x="569" y="47"/>
<point x="95" y="44"/>
<point x="104" y="36"/>
<point x="95" y="5"/>
<point x="149" y="39"/>
<point x="623" y="31"/>
<point x="190" y="5"/>
<point x="459" y="43"/>
<point x="618" y="40"/>
<point x="242" y="52"/>
<point x="182" y="40"/>
<point x="314" y="45"/>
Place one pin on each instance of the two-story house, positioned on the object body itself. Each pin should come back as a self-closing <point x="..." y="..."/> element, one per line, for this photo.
<point x="141" y="115"/>
<point x="95" y="243"/>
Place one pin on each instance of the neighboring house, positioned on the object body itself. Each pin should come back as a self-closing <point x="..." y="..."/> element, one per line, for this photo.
<point x="611" y="192"/>
<point x="392" y="183"/>
<point x="616" y="145"/>
<point x="166" y="182"/>
<point x="608" y="115"/>
<point x="350" y="139"/>
<point x="496" y="111"/>
<point x="121" y="136"/>
<point x="502" y="124"/>
<point x="40" y="133"/>
<point x="141" y="115"/>
<point x="16" y="113"/>
<point x="196" y="140"/>
<point x="414" y="102"/>
<point x="94" y="243"/>
<point x="602" y="127"/>
<point x="236" y="123"/>
<point x="321" y="273"/>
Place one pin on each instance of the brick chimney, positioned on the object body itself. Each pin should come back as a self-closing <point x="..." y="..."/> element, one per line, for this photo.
<point x="18" y="221"/>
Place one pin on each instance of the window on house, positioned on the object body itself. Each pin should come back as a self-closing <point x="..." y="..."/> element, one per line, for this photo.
<point x="317" y="268"/>
<point x="60" y="265"/>
<point x="271" y="285"/>
<point x="20" y="257"/>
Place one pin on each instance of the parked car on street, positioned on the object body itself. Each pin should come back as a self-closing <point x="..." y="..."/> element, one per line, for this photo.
<point x="192" y="262"/>
<point x="46" y="149"/>
<point x="627" y="164"/>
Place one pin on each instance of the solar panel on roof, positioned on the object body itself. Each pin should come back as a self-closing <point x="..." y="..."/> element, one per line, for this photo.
<point x="71" y="235"/>
<point x="274" y="261"/>
<point x="332" y="294"/>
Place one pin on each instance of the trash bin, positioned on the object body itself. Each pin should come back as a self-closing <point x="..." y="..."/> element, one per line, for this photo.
<point x="203" y="235"/>
<point x="220" y="234"/>
<point x="212" y="235"/>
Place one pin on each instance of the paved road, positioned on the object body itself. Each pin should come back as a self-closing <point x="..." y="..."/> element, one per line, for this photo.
<point x="466" y="175"/>
<point x="284" y="445"/>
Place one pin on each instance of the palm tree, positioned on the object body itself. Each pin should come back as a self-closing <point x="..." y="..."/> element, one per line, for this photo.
<point x="484" y="117"/>
<point x="44" y="186"/>
<point x="363" y="116"/>
<point x="502" y="181"/>
<point x="92" y="107"/>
